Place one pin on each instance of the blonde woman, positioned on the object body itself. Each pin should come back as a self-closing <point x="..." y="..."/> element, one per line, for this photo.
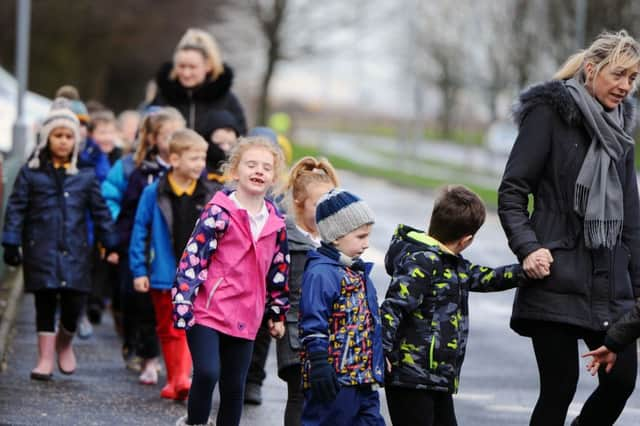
<point x="575" y="156"/>
<point x="197" y="81"/>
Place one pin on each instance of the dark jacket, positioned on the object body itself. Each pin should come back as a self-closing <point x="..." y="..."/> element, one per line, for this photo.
<point x="288" y="348"/>
<point x="425" y="314"/>
<point x="46" y="214"/>
<point x="339" y="315"/>
<point x="194" y="104"/>
<point x="143" y="176"/>
<point x="151" y="251"/>
<point x="587" y="288"/>
<point x="625" y="331"/>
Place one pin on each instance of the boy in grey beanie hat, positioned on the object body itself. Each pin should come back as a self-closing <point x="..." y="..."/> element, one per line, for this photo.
<point x="340" y="325"/>
<point x="340" y="212"/>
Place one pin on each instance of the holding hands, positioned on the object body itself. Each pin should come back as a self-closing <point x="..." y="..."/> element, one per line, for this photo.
<point x="538" y="263"/>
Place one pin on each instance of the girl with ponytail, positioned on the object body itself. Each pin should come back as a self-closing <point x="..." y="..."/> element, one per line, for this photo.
<point x="309" y="179"/>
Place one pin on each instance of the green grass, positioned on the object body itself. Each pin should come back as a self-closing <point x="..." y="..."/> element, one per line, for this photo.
<point x="459" y="136"/>
<point x="489" y="196"/>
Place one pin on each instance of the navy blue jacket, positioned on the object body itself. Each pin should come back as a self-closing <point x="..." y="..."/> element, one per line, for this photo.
<point x="46" y="214"/>
<point x="339" y="314"/>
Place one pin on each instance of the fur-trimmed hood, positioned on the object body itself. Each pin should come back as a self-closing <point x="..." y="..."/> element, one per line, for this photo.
<point x="210" y="90"/>
<point x="556" y="94"/>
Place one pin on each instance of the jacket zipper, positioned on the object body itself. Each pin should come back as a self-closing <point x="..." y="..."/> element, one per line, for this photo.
<point x="192" y="111"/>
<point x="431" y="350"/>
<point x="344" y="354"/>
<point x="213" y="290"/>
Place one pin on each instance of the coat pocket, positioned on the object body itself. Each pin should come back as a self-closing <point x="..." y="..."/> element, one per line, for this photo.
<point x="571" y="270"/>
<point x="622" y="288"/>
<point x="212" y="292"/>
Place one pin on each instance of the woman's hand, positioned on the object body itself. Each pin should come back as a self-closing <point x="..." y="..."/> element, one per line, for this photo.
<point x="276" y="329"/>
<point x="601" y="356"/>
<point x="538" y="263"/>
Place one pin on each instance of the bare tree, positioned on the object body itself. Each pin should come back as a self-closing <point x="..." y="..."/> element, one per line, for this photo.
<point x="283" y="30"/>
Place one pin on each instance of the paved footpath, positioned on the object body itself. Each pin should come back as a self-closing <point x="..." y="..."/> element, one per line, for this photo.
<point x="102" y="391"/>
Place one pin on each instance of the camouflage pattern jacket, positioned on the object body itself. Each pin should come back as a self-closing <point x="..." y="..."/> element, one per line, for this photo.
<point x="425" y="314"/>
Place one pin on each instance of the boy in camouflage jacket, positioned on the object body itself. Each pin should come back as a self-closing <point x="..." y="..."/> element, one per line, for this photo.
<point x="425" y="315"/>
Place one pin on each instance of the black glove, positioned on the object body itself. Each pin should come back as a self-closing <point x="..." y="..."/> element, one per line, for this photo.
<point x="322" y="377"/>
<point x="12" y="256"/>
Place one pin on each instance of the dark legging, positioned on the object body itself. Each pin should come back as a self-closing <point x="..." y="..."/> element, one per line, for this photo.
<point x="71" y="304"/>
<point x="295" y="398"/>
<point x="217" y="356"/>
<point x="420" y="407"/>
<point x="556" y="349"/>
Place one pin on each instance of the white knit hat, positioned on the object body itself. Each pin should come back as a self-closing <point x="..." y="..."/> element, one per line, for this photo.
<point x="60" y="115"/>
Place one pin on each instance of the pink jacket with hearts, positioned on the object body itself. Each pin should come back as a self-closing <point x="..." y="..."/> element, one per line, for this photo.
<point x="225" y="279"/>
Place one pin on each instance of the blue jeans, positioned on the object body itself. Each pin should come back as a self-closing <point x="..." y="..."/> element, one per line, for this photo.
<point x="353" y="406"/>
<point x="217" y="356"/>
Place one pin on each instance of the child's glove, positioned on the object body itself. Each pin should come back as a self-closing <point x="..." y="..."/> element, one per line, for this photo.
<point x="322" y="377"/>
<point x="12" y="256"/>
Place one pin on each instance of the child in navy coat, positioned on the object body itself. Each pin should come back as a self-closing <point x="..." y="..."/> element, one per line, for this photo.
<point x="46" y="215"/>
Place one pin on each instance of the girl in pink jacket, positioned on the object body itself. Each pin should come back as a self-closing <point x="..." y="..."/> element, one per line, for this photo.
<point x="235" y="264"/>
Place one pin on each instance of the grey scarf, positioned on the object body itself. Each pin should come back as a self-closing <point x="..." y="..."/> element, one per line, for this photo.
<point x="599" y="194"/>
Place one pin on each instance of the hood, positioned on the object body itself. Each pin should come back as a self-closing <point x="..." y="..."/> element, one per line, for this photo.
<point x="555" y="94"/>
<point x="408" y="240"/>
<point x="210" y="90"/>
<point x="296" y="239"/>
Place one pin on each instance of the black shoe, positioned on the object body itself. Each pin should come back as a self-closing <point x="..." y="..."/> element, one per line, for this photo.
<point x="253" y="394"/>
<point x="94" y="313"/>
<point x="43" y="377"/>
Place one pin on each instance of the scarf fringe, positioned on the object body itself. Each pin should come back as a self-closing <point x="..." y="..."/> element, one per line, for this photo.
<point x="602" y="233"/>
<point x="581" y="199"/>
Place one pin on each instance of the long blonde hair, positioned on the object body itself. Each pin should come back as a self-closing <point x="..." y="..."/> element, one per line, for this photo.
<point x="608" y="48"/>
<point x="203" y="42"/>
<point x="150" y="127"/>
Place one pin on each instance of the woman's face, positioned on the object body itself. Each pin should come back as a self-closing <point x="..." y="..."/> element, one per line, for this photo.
<point x="191" y="68"/>
<point x="612" y="84"/>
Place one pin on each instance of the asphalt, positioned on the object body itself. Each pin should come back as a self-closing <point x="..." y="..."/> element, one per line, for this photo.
<point x="102" y="391"/>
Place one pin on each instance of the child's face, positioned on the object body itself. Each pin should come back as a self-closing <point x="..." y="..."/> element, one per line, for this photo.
<point x="307" y="208"/>
<point x="61" y="142"/>
<point x="161" y="139"/>
<point x="105" y="136"/>
<point x="355" y="242"/>
<point x="189" y="164"/>
<point x="224" y="138"/>
<point x="255" y="171"/>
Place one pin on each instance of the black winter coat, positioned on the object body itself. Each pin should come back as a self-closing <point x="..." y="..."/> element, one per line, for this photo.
<point x="47" y="215"/>
<point x="625" y="331"/>
<point x="194" y="104"/>
<point x="587" y="288"/>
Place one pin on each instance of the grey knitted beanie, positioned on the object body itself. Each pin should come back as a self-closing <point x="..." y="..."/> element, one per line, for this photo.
<point x="339" y="212"/>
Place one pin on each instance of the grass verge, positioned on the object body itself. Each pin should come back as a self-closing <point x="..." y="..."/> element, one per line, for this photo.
<point x="489" y="196"/>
